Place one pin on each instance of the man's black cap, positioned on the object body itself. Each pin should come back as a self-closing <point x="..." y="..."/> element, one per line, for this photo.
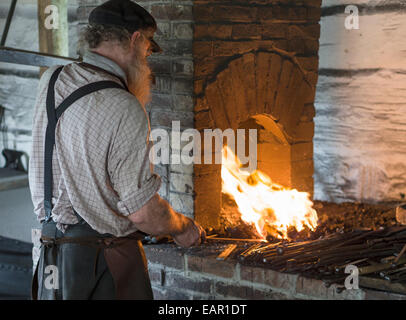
<point x="126" y="14"/>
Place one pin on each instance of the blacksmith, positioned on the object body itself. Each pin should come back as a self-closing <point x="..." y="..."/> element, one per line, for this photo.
<point x="91" y="181"/>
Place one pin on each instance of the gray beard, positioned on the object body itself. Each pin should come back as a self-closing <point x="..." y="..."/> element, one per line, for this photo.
<point x="139" y="82"/>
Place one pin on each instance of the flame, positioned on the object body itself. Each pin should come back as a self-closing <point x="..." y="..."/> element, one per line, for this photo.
<point x="272" y="208"/>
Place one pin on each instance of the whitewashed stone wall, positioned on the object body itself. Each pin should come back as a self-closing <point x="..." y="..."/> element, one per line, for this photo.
<point x="360" y="136"/>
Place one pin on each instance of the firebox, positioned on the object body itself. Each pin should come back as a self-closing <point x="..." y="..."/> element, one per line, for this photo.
<point x="255" y="68"/>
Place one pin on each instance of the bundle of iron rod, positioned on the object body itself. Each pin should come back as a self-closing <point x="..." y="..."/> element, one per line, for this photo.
<point x="380" y="252"/>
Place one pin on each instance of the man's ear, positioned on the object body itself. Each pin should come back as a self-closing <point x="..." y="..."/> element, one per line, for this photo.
<point x="135" y="36"/>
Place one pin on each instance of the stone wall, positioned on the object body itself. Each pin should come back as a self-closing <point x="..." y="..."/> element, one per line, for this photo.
<point x="359" y="143"/>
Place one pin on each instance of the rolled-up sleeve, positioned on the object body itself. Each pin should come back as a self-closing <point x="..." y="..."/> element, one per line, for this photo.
<point x="130" y="169"/>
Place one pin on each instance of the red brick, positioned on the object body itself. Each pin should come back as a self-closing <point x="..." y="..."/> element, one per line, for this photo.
<point x="198" y="87"/>
<point x="304" y="31"/>
<point x="281" y="13"/>
<point x="280" y="44"/>
<point x="246" y="31"/>
<point x="203" y="13"/>
<point x="234" y="13"/>
<point x="313" y="3"/>
<point x="274" y="30"/>
<point x="309" y="63"/>
<point x="212" y="31"/>
<point x="297" y="13"/>
<point x="311" y="47"/>
<point x="265" y="14"/>
<point x="312" y="77"/>
<point x="314" y="13"/>
<point x="297" y="45"/>
<point x="304" y="131"/>
<point x="309" y="112"/>
<point x="304" y="184"/>
<point x="203" y="120"/>
<point x="304" y="168"/>
<point x="226" y="48"/>
<point x="206" y="67"/>
<point x="202" y="49"/>
<point x="302" y="151"/>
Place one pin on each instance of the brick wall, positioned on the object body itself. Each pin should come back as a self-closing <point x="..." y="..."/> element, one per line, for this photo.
<point x="184" y="274"/>
<point x="172" y="98"/>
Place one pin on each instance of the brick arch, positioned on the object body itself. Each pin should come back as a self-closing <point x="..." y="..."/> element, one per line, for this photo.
<point x="260" y="82"/>
<point x="267" y="90"/>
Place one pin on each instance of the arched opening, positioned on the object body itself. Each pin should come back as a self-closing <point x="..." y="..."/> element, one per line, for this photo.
<point x="268" y="91"/>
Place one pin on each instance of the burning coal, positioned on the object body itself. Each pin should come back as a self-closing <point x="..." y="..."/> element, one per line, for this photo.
<point x="271" y="208"/>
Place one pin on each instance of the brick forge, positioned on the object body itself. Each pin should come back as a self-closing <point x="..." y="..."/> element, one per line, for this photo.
<point x="255" y="67"/>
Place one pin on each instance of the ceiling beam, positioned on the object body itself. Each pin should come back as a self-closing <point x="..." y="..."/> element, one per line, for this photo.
<point x="32" y="58"/>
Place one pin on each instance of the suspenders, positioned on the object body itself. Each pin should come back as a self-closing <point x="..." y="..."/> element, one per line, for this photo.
<point x="53" y="117"/>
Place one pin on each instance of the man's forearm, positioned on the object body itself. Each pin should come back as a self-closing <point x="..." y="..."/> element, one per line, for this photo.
<point x="158" y="218"/>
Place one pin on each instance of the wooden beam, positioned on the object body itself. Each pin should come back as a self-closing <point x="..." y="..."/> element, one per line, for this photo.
<point x="31" y="58"/>
<point x="53" y="40"/>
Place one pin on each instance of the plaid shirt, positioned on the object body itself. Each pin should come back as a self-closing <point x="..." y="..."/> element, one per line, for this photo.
<point x="101" y="165"/>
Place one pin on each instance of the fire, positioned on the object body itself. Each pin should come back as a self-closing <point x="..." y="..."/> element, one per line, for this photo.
<point x="272" y="208"/>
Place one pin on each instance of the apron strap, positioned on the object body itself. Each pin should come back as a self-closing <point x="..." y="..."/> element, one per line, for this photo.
<point x="53" y="117"/>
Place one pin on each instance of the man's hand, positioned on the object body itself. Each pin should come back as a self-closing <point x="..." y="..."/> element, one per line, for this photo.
<point x="157" y="218"/>
<point x="193" y="235"/>
<point x="401" y="214"/>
